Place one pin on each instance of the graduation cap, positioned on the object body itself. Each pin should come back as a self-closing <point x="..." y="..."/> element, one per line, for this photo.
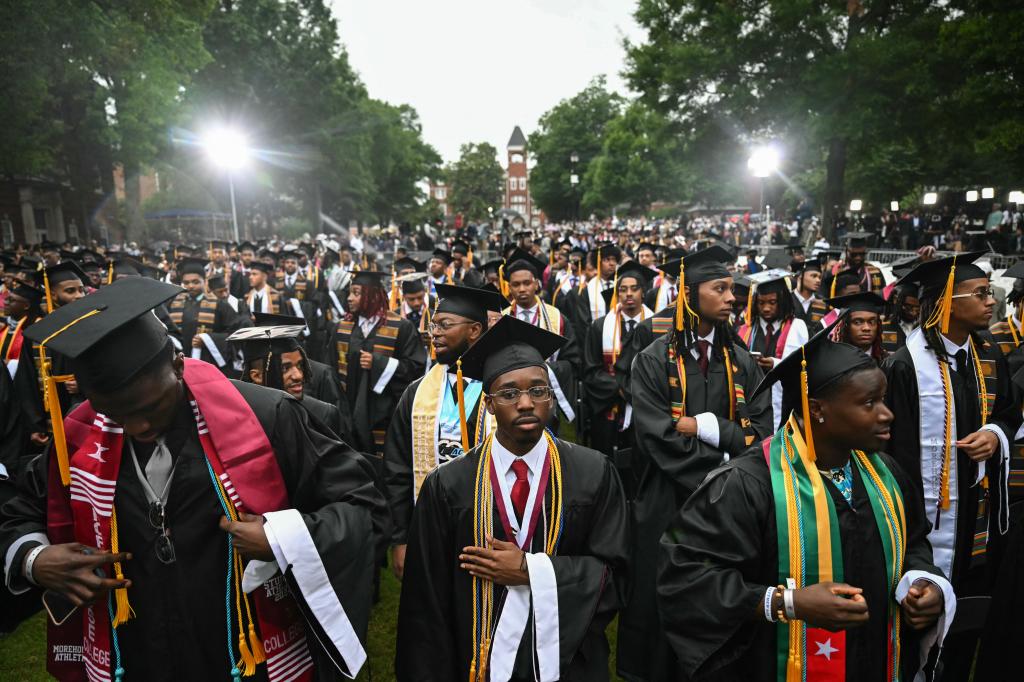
<point x="646" y="246"/>
<point x="700" y="266"/>
<point x="902" y="266"/>
<point x="741" y="283"/>
<point x="813" y="263"/>
<point x="107" y="338"/>
<point x="263" y="267"/>
<point x="630" y="268"/>
<point x="191" y="266"/>
<point x="509" y="345"/>
<point x="843" y="279"/>
<point x="864" y="301"/>
<point x="62" y="272"/>
<point x="289" y="252"/>
<point x="217" y="282"/>
<point x="441" y="255"/>
<point x="1015" y="271"/>
<point x="32" y="294"/>
<point x="521" y="260"/>
<point x="460" y="247"/>
<point x="247" y="246"/>
<point x="811" y="368"/>
<point x="937" y="279"/>
<point x="857" y="239"/>
<point x="491" y="266"/>
<point x="468" y="302"/>
<point x="776" y="258"/>
<point x="267" y="254"/>
<point x="412" y="283"/>
<point x="90" y="266"/>
<point x="370" y="278"/>
<point x="260" y="341"/>
<point x="407" y="263"/>
<point x="219" y="244"/>
<point x="794" y="249"/>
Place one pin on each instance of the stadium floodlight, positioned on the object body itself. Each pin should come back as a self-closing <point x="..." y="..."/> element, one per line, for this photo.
<point x="930" y="198"/>
<point x="972" y="195"/>
<point x="1016" y="197"/>
<point x="988" y="193"/>
<point x="228" y="149"/>
<point x="894" y="205"/>
<point x="856" y="205"/>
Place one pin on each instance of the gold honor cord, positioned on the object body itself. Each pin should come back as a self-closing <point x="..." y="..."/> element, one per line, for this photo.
<point x="51" y="401"/>
<point x="940" y="315"/>
<point x="462" y="406"/>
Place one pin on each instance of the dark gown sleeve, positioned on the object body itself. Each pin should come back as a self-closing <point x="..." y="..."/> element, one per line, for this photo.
<point x="731" y="438"/>
<point x="707" y="597"/>
<point x="601" y="387"/>
<point x="331" y="485"/>
<point x="411" y="356"/>
<point x="901" y="398"/>
<point x="398" y="466"/>
<point x="26" y="388"/>
<point x="642" y="337"/>
<point x="425" y="648"/>
<point x="590" y="584"/>
<point x="569" y="357"/>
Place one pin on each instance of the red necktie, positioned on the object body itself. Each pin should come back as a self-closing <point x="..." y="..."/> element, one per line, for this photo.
<point x="521" y="488"/>
<point x="702" y="352"/>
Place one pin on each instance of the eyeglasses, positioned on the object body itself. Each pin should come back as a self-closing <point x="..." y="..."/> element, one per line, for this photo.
<point x="510" y="396"/>
<point x="164" y="546"/>
<point x="445" y="326"/>
<point x="983" y="294"/>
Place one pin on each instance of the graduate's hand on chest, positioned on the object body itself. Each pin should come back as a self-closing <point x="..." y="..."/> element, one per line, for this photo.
<point x="833" y="606"/>
<point x="249" y="537"/>
<point x="501" y="562"/>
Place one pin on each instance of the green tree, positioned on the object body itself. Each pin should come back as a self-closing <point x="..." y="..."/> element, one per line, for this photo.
<point x="638" y="164"/>
<point x="475" y="181"/>
<point x="575" y="125"/>
<point x="844" y="78"/>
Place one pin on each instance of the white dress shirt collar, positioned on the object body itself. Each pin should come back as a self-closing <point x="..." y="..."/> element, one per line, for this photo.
<point x="952" y="348"/>
<point x="710" y="338"/>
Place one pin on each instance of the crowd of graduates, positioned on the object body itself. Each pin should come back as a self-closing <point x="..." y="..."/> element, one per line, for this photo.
<point x="770" y="464"/>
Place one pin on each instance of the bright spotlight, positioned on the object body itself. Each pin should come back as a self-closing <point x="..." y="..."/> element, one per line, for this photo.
<point x="930" y="199"/>
<point x="894" y="205"/>
<point x="227" y="148"/>
<point x="1016" y="197"/>
<point x="856" y="205"/>
<point x="972" y="195"/>
<point x="987" y="193"/>
<point x="763" y="161"/>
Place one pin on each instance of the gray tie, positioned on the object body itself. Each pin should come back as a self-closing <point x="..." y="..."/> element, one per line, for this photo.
<point x="158" y="468"/>
<point x="524" y="315"/>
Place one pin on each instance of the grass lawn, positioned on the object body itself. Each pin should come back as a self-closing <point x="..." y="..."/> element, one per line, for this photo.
<point x="23" y="651"/>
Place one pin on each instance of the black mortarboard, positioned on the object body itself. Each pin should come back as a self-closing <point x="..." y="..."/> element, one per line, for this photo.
<point x="776" y="280"/>
<point x="219" y="244"/>
<point x="904" y="265"/>
<point x="827" y="360"/>
<point x="126" y="267"/>
<point x="216" y="282"/>
<point x="289" y="253"/>
<point x="523" y="234"/>
<point x="370" y="278"/>
<point x="857" y="238"/>
<point x="62" y="272"/>
<point x="31" y="294"/>
<point x="259" y="341"/>
<point x="646" y="246"/>
<point x="262" y="267"/>
<point x="468" y="302"/>
<point x="442" y="255"/>
<point x="90" y="256"/>
<point x="865" y="301"/>
<point x="509" y="345"/>
<point x="267" y="253"/>
<point x="741" y="283"/>
<point x="110" y="335"/>
<point x="1015" y="271"/>
<point x="412" y="283"/>
<point x="273" y="320"/>
<point x="794" y="248"/>
<point x="491" y="265"/>
<point x="247" y="246"/>
<point x="92" y="266"/>
<point x="461" y="247"/>
<point x="632" y="268"/>
<point x="813" y="263"/>
<point x="932" y="275"/>
<point x="776" y="258"/>
<point x="406" y="263"/>
<point x="701" y="266"/>
<point x="521" y="260"/>
<point x="191" y="266"/>
<point x="841" y="280"/>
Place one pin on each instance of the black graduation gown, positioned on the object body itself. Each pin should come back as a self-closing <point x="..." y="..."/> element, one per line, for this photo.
<point x="370" y="411"/>
<point x="178" y="632"/>
<point x="226" y="320"/>
<point x="28" y="391"/>
<point x="398" y="465"/>
<point x="670" y="466"/>
<point x="905" y="447"/>
<point x="326" y="413"/>
<point x="602" y="389"/>
<point x="721" y="554"/>
<point x="643" y="336"/>
<point x="323" y="385"/>
<point x="435" y="615"/>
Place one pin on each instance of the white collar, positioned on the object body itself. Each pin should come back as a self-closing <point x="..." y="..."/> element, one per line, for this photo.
<point x="523" y="309"/>
<point x="764" y="325"/>
<point x="798" y="295"/>
<point x="952" y="348"/>
<point x="710" y="338"/>
<point x="534" y="459"/>
<point x="636" y="318"/>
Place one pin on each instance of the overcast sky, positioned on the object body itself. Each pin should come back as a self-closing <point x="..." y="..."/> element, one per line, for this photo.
<point x="474" y="69"/>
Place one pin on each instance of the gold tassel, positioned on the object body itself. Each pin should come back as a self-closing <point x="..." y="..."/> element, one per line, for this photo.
<point x="751" y="295"/>
<point x="615" y="293"/>
<point x="256" y="646"/>
<point x="393" y="298"/>
<point x="502" y="282"/>
<point x="123" y="611"/>
<point x="46" y="290"/>
<point x="832" y="288"/>
<point x="462" y="405"/>
<point x="110" y="273"/>
<point x="247" y="665"/>
<point x="940" y="315"/>
<point x="469" y="257"/>
<point x="680" y="297"/>
<point x="805" y="404"/>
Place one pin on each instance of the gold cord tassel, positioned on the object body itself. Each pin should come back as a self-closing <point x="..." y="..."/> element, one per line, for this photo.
<point x="805" y="404"/>
<point x="46" y="290"/>
<point x="469" y="257"/>
<point x="110" y="273"/>
<point x="615" y="293"/>
<point x="393" y="298"/>
<point x="123" y="611"/>
<point x="256" y="646"/>
<point x="749" y="321"/>
<point x="502" y="282"/>
<point x="680" y="296"/>
<point x="940" y="315"/>
<point x="462" y="405"/>
<point x="247" y="665"/>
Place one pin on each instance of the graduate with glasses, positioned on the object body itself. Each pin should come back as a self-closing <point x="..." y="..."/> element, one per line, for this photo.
<point x="517" y="548"/>
<point x="808" y="557"/>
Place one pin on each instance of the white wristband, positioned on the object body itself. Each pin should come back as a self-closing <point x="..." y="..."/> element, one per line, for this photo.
<point x="30" y="560"/>
<point x="769" y="615"/>
<point x="787" y="599"/>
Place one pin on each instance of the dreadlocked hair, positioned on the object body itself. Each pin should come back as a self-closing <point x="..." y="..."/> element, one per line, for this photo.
<point x="841" y="333"/>
<point x="786" y="309"/>
<point x="932" y="335"/>
<point x="374" y="304"/>
<point x="896" y="301"/>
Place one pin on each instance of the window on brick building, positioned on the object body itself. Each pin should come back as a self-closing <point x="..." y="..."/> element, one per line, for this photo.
<point x="522" y="183"/>
<point x="517" y="158"/>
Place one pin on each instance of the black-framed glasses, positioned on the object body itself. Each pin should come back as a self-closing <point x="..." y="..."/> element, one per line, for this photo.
<point x="510" y="396"/>
<point x="164" y="546"/>
<point x="983" y="294"/>
<point x="445" y="326"/>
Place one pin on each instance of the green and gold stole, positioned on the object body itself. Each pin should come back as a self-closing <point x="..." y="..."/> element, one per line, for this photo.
<point x="811" y="551"/>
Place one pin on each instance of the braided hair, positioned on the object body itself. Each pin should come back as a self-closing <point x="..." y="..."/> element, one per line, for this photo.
<point x="686" y="339"/>
<point x="272" y="374"/>
<point x="374" y="303"/>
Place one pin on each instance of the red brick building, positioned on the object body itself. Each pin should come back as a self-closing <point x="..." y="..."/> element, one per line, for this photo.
<point x="517" y="180"/>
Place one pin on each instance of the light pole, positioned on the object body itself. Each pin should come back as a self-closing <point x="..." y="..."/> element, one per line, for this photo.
<point x="228" y="149"/>
<point x="763" y="162"/>
<point x="574" y="180"/>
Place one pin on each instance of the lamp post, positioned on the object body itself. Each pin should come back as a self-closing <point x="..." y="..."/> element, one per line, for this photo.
<point x="574" y="180"/>
<point x="763" y="162"/>
<point x="228" y="149"/>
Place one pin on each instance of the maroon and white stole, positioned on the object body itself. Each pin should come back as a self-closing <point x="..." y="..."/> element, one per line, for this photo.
<point x="242" y="458"/>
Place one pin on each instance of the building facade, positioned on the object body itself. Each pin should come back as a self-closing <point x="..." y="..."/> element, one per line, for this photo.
<point x="517" y="181"/>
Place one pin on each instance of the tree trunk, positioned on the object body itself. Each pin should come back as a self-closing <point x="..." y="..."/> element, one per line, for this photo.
<point x="136" y="229"/>
<point x="835" y="172"/>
